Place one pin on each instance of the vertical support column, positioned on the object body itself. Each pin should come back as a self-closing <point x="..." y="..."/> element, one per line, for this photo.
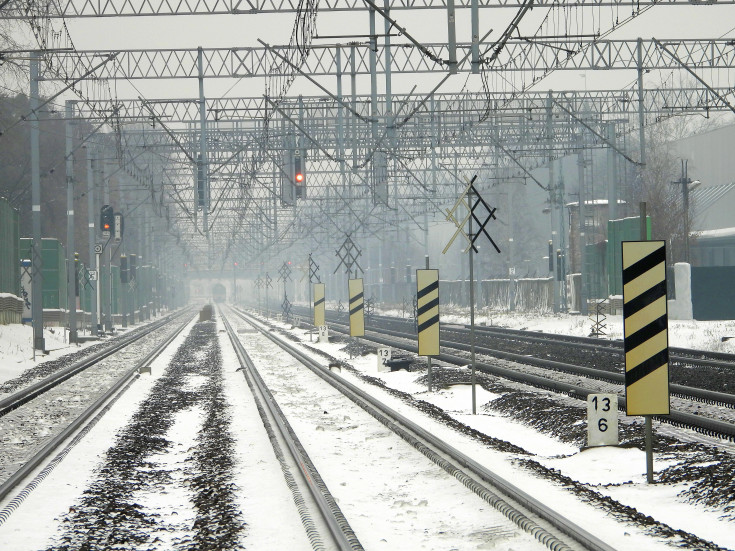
<point x="92" y="237"/>
<point x="475" y="16"/>
<point x="562" y="269"/>
<point x="641" y="113"/>
<point x="452" y="38"/>
<point x="204" y="172"/>
<point x="340" y="121"/>
<point x="353" y="88"/>
<point x="36" y="246"/>
<point x="373" y="97"/>
<point x="552" y="198"/>
<point x="612" y="184"/>
<point x="71" y="272"/>
<point x="471" y="252"/>
<point x="108" y="268"/>
<point x="584" y="279"/>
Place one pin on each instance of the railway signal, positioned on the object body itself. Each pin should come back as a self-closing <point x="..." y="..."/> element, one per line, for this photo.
<point x="107" y="220"/>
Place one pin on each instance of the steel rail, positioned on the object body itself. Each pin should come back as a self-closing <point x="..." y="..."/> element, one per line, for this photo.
<point x="339" y="528"/>
<point x="134" y="372"/>
<point x="27" y="394"/>
<point x="710" y="359"/>
<point x="683" y="355"/>
<point x="706" y="425"/>
<point x="408" y="430"/>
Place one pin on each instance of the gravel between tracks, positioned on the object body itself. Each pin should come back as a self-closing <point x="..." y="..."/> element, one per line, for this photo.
<point x="178" y="443"/>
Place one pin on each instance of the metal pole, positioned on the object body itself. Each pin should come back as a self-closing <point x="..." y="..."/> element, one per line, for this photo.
<point x="648" y="425"/>
<point x="612" y="191"/>
<point x="451" y="39"/>
<point x="583" y="307"/>
<point x="428" y="358"/>
<point x="472" y="312"/>
<point x="106" y="201"/>
<point x="353" y="103"/>
<point x="685" y="191"/>
<point x="203" y="151"/>
<point x="340" y="120"/>
<point x="552" y="197"/>
<point x="36" y="245"/>
<point x="71" y="273"/>
<point x="641" y="118"/>
<point x="373" y="101"/>
<point x="475" y="16"/>
<point x="98" y="267"/>
<point x="91" y="234"/>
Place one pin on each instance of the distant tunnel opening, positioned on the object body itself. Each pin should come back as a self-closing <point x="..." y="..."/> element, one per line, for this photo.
<point x="219" y="292"/>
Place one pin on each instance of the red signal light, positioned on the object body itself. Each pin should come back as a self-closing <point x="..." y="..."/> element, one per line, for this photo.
<point x="299" y="177"/>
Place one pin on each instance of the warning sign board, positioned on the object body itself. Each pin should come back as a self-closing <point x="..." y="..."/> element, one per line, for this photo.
<point x="427" y="302"/>
<point x="646" y="328"/>
<point x="319" y="305"/>
<point x="357" y="303"/>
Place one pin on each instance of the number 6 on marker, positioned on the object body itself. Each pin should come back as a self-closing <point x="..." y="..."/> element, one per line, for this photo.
<point x="602" y="420"/>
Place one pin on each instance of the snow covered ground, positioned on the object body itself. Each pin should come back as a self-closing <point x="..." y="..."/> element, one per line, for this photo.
<point x="617" y="472"/>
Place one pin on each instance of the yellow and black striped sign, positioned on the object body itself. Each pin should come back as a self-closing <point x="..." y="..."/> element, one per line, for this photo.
<point x="646" y="328"/>
<point x="319" y="305"/>
<point x="357" y="302"/>
<point x="427" y="302"/>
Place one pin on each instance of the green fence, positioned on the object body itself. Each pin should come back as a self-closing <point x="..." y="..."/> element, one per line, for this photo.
<point x="627" y="229"/>
<point x="53" y="256"/>
<point x="9" y="249"/>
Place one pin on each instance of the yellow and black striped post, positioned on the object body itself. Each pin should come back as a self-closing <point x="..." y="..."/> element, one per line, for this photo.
<point x="427" y="298"/>
<point x="357" y="302"/>
<point x="319" y="294"/>
<point x="645" y="328"/>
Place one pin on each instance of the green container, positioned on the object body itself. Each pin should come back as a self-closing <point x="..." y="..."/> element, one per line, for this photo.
<point x="9" y="249"/>
<point x="53" y="270"/>
<point x="627" y="229"/>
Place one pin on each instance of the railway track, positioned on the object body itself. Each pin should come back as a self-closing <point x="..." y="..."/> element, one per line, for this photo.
<point x="31" y="390"/>
<point x="42" y="422"/>
<point x="527" y="512"/>
<point x="718" y="420"/>
<point x="310" y="494"/>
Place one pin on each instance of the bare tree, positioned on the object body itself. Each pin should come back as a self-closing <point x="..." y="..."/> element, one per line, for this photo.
<point x="656" y="182"/>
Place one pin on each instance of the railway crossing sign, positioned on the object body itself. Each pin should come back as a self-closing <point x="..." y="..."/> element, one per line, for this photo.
<point x="357" y="302"/>
<point x="471" y="200"/>
<point x="319" y="304"/>
<point x="313" y="271"/>
<point x="285" y="272"/>
<point x="427" y="299"/>
<point x="348" y="254"/>
<point x="645" y="322"/>
<point x="286" y="307"/>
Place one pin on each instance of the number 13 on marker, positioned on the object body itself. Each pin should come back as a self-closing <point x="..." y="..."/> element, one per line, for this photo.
<point x="602" y="420"/>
